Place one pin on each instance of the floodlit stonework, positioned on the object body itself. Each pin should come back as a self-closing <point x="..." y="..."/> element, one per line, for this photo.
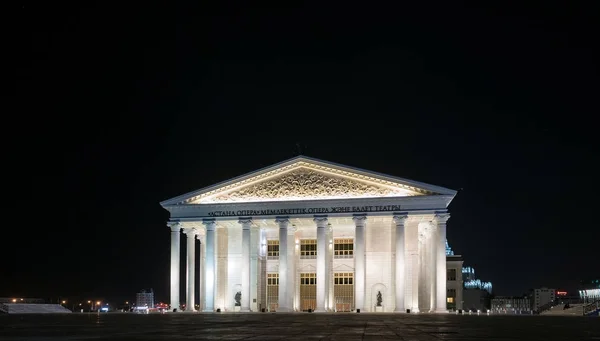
<point x="306" y="234"/>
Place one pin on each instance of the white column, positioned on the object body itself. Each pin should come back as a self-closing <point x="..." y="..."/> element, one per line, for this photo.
<point x="359" y="262"/>
<point x="254" y="282"/>
<point x="191" y="264"/>
<point x="175" y="263"/>
<point x="321" y="262"/>
<point x="210" y="275"/>
<point x="441" y="219"/>
<point x="432" y="264"/>
<point x="246" y="224"/>
<point x="283" y="270"/>
<point x="400" y="279"/>
<point x="202" y="258"/>
<point x="291" y="268"/>
<point x="415" y="267"/>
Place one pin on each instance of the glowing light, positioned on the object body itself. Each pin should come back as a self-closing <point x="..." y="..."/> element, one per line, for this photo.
<point x="478" y="284"/>
<point x="14" y="300"/>
<point x="449" y="251"/>
<point x="468" y="270"/>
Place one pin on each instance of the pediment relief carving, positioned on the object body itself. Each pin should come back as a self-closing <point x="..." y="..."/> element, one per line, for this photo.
<point x="305" y="184"/>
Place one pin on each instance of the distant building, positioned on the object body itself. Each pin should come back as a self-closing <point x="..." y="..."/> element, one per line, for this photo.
<point x="511" y="305"/>
<point x="476" y="299"/>
<point x="542" y="298"/>
<point x="465" y="291"/>
<point x="454" y="283"/>
<point x="589" y="290"/>
<point x="145" y="299"/>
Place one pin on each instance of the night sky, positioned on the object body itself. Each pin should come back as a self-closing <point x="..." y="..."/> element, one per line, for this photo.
<point x="119" y="106"/>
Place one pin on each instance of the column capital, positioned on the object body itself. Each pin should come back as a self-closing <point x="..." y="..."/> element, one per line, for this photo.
<point x="400" y="218"/>
<point x="190" y="231"/>
<point x="442" y="217"/>
<point x="282" y="221"/>
<point x="246" y="222"/>
<point x="321" y="220"/>
<point x="211" y="224"/>
<point x="360" y="220"/>
<point x="175" y="226"/>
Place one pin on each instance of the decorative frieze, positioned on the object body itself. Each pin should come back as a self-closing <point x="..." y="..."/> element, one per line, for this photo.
<point x="302" y="181"/>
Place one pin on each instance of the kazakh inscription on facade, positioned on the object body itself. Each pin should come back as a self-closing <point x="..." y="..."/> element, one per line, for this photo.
<point x="310" y="210"/>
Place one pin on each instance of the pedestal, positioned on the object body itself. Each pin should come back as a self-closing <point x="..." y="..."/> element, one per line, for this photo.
<point x="237" y="308"/>
<point x="379" y="309"/>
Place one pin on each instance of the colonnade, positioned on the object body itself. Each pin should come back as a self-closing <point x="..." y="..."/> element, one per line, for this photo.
<point x="436" y="250"/>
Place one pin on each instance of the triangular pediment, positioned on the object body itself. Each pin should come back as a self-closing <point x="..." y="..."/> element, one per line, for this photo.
<point x="307" y="179"/>
<point x="343" y="267"/>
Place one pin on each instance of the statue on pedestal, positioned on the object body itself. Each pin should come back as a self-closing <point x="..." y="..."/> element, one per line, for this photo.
<point x="238" y="298"/>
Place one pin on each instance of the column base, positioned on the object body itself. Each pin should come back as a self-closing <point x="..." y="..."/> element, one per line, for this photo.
<point x="441" y="311"/>
<point x="208" y="311"/>
<point x="399" y="310"/>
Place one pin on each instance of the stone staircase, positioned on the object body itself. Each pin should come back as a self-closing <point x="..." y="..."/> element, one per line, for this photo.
<point x="592" y="309"/>
<point x="558" y="310"/>
<point x="32" y="308"/>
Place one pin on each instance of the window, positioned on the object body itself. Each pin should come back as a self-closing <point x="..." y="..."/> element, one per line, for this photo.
<point x="343" y="278"/>
<point x="343" y="291"/>
<point x="272" y="279"/>
<point x="450" y="300"/>
<point x="273" y="291"/>
<point x="308" y="248"/>
<point x="451" y="274"/>
<point x="343" y="248"/>
<point x="308" y="279"/>
<point x="273" y="249"/>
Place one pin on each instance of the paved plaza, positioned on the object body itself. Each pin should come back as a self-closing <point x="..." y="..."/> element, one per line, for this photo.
<point x="306" y="326"/>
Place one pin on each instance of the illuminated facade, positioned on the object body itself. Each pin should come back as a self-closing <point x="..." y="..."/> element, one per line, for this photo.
<point x="145" y="299"/>
<point x="454" y="284"/>
<point x="306" y="234"/>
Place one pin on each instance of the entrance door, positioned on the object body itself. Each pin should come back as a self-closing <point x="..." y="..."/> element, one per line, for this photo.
<point x="308" y="291"/>
<point x="272" y="291"/>
<point x="343" y="291"/>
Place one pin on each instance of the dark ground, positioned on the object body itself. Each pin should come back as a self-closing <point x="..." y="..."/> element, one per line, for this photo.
<point x="306" y="326"/>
